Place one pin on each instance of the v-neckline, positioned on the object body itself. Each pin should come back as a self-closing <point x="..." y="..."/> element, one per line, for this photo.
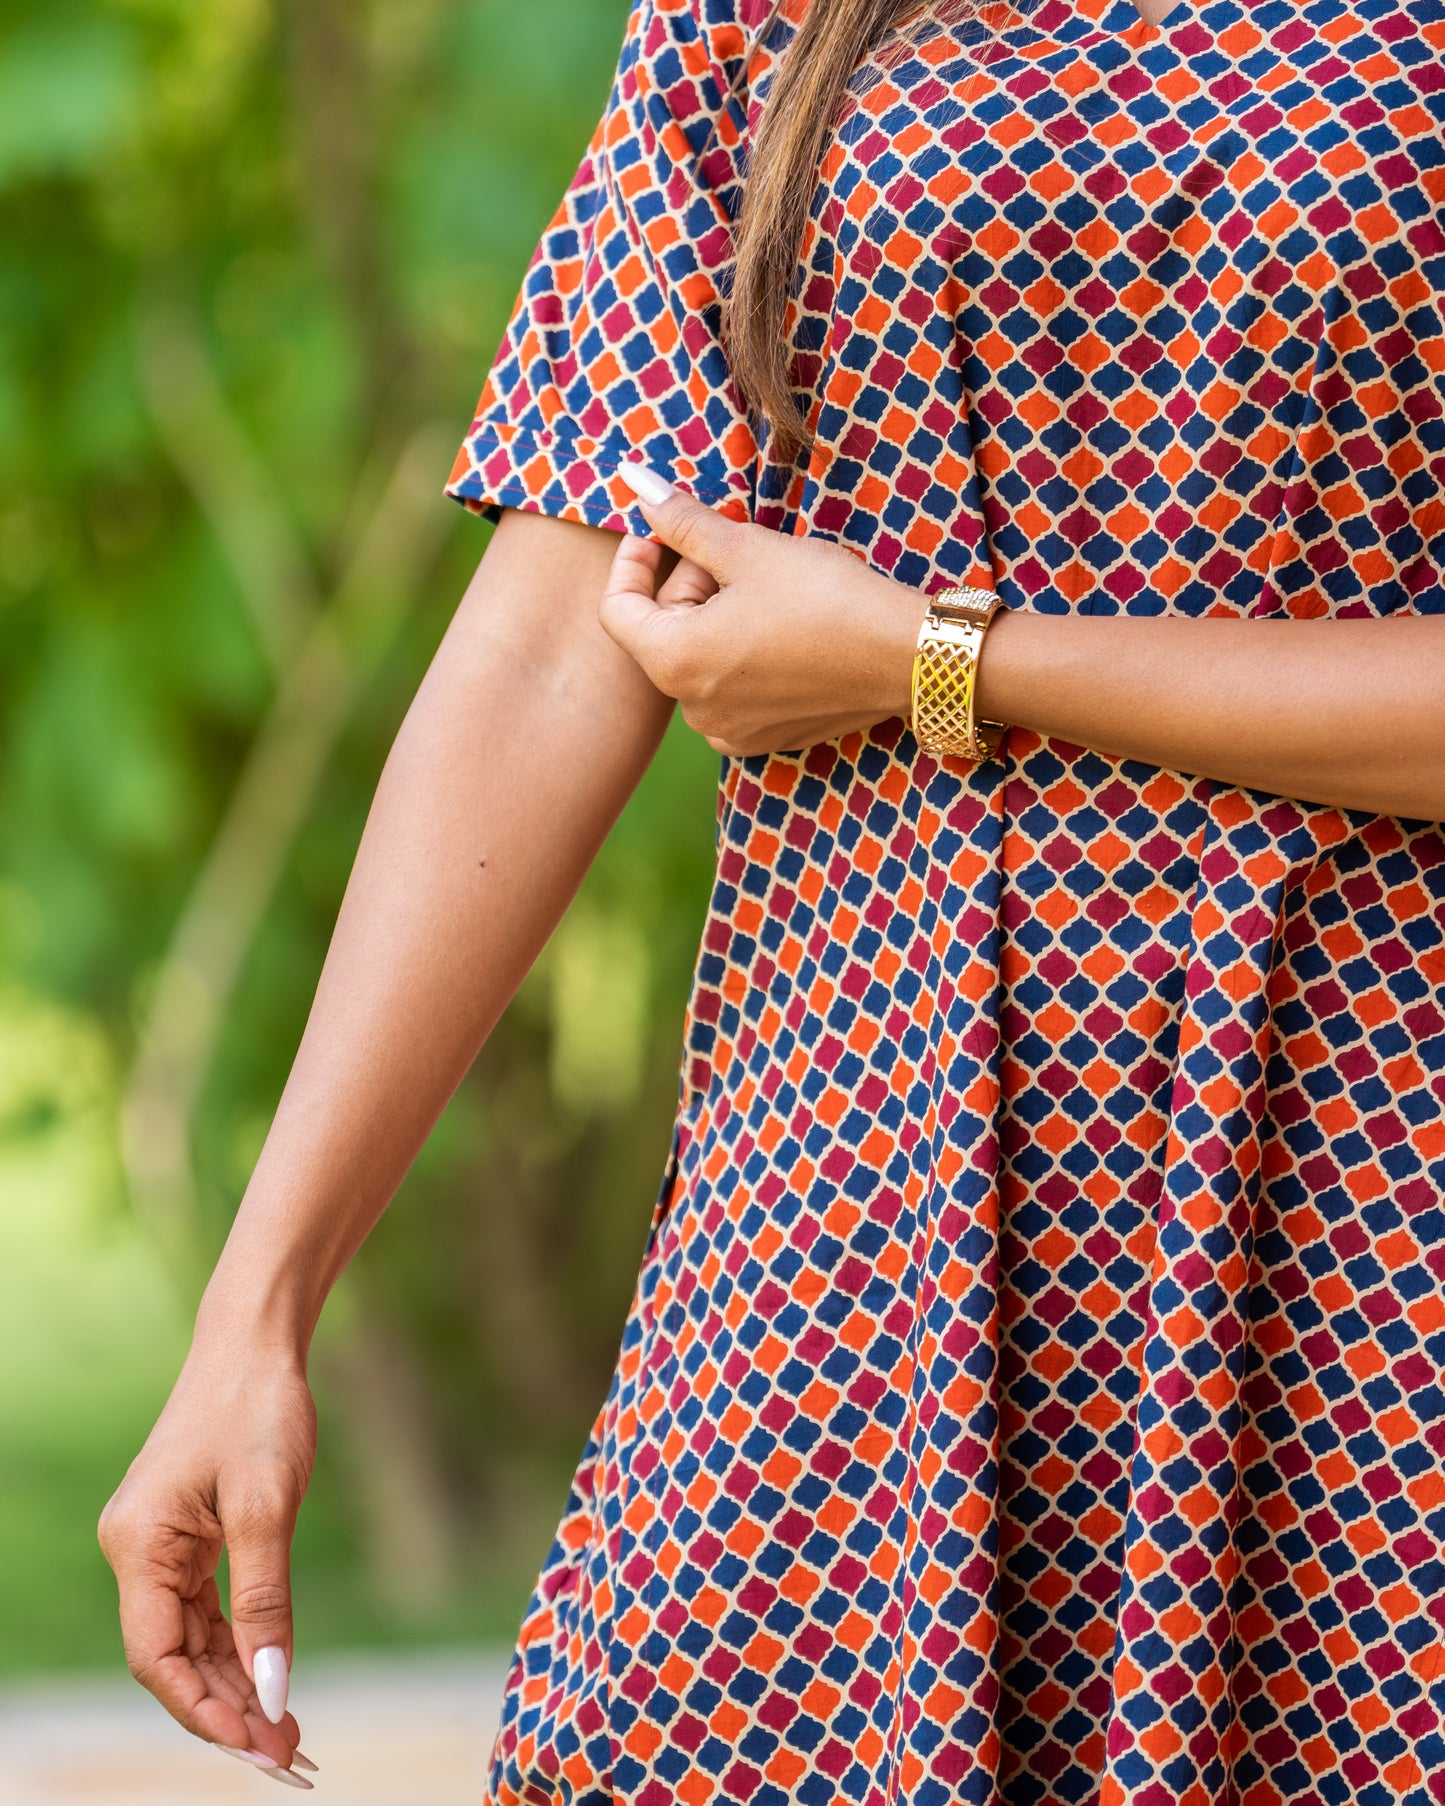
<point x="1069" y="21"/>
<point x="1122" y="17"/>
<point x="1084" y="25"/>
<point x="1113" y="18"/>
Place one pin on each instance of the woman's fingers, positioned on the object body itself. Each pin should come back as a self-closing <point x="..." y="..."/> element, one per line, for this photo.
<point x="802" y="642"/>
<point x="687" y="525"/>
<point x="153" y="1620"/>
<point x="226" y="1680"/>
<point x="163" y="1533"/>
<point x="218" y="1666"/>
<point x="687" y="587"/>
<point x="629" y="598"/>
<point x="158" y="1567"/>
<point x="178" y="1644"/>
<point x="219" y="1662"/>
<point x="636" y="617"/>
<point x="258" y="1524"/>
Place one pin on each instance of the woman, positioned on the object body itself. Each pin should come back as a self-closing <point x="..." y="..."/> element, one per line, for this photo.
<point x="1032" y="1389"/>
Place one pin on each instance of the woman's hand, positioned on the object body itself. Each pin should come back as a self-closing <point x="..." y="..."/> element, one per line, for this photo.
<point x="227" y="1463"/>
<point x="767" y="642"/>
<point x="772" y="643"/>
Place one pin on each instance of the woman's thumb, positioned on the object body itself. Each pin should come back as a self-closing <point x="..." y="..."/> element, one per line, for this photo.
<point x="260" y="1551"/>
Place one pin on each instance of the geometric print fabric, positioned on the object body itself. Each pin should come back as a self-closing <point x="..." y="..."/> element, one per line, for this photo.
<point x="1033" y="1386"/>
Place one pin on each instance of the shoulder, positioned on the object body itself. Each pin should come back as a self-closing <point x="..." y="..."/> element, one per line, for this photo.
<point x="732" y="31"/>
<point x="713" y="15"/>
<point x="722" y="21"/>
<point x="686" y="59"/>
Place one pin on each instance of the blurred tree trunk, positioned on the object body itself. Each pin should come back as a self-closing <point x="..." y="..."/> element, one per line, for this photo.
<point x="391" y="1436"/>
<point x="335" y="102"/>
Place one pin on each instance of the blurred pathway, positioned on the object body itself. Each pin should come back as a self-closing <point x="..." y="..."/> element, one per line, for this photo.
<point x="392" y="1730"/>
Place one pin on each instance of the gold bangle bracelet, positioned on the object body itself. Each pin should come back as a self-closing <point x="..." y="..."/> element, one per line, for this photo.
<point x="945" y="676"/>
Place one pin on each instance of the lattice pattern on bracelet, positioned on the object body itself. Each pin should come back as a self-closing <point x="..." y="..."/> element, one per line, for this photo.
<point x="944" y="669"/>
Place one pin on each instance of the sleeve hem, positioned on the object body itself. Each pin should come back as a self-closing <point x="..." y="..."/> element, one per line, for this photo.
<point x="504" y="466"/>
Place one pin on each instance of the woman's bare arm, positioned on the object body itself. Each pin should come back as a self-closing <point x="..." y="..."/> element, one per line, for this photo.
<point x="1349" y="713"/>
<point x="525" y="739"/>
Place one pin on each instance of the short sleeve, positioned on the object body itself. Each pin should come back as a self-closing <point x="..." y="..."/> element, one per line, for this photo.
<point x="614" y="349"/>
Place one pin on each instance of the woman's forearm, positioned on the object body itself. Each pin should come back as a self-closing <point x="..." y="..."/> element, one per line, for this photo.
<point x="800" y="641"/>
<point x="1347" y="713"/>
<point x="525" y="739"/>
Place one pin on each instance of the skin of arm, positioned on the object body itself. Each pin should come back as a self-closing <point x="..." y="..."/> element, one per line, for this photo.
<point x="528" y="734"/>
<point x="771" y="643"/>
<point x="526" y="737"/>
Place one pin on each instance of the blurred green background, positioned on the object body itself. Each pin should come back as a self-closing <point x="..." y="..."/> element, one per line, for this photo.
<point x="256" y="257"/>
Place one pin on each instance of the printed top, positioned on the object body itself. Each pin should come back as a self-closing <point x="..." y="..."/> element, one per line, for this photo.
<point x="1033" y="1386"/>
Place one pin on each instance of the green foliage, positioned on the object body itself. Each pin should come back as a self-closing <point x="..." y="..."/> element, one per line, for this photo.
<point x="257" y="259"/>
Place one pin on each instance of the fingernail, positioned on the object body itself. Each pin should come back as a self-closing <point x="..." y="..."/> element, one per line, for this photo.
<point x="287" y="1779"/>
<point x="300" y="1761"/>
<point x="645" y="483"/>
<point x="253" y="1756"/>
<point x="268" y="1670"/>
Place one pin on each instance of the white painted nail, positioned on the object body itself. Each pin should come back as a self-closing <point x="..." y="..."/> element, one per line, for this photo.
<point x="287" y="1779"/>
<point x="645" y="483"/>
<point x="268" y="1670"/>
<point x="300" y="1761"/>
<point x="253" y="1756"/>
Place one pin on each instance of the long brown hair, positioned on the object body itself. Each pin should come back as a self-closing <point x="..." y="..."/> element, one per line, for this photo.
<point x="834" y="38"/>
